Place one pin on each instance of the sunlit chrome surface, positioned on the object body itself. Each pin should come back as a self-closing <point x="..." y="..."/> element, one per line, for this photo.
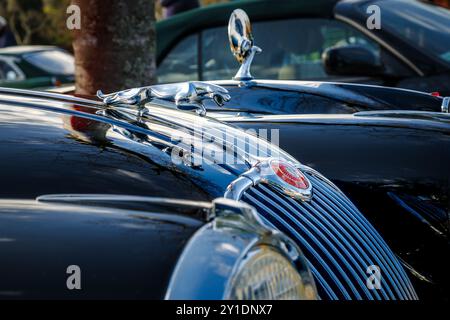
<point x="406" y="114"/>
<point x="219" y="248"/>
<point x="445" y="105"/>
<point x="186" y="96"/>
<point x="48" y="95"/>
<point x="241" y="43"/>
<point x="262" y="172"/>
<point x="91" y="199"/>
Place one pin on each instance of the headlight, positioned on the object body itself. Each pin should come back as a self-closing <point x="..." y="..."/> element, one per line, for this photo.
<point x="237" y="256"/>
<point x="266" y="274"/>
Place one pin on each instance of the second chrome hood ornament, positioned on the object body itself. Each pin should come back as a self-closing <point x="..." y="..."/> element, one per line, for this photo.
<point x="241" y="43"/>
<point x="186" y="96"/>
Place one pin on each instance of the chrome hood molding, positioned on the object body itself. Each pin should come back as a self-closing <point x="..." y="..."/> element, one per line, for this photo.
<point x="445" y="107"/>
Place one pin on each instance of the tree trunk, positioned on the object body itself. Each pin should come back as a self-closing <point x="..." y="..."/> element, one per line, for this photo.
<point x="115" y="47"/>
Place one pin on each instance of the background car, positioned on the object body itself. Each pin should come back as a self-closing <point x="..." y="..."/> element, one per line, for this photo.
<point x="35" y="67"/>
<point x="303" y="40"/>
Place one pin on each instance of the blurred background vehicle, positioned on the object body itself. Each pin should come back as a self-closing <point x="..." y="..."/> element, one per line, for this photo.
<point x="314" y="40"/>
<point x="6" y="36"/>
<point x="35" y="67"/>
<point x="173" y="7"/>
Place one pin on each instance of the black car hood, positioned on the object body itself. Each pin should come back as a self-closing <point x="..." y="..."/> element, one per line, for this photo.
<point x="56" y="146"/>
<point x="122" y="254"/>
<point x="369" y="97"/>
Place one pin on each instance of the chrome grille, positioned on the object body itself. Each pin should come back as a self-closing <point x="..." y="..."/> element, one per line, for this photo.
<point x="337" y="240"/>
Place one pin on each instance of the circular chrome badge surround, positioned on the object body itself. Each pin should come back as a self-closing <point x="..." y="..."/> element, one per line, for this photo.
<point x="288" y="179"/>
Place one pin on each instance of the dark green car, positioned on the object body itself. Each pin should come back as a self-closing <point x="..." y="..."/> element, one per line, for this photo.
<point x="324" y="40"/>
<point x="34" y="67"/>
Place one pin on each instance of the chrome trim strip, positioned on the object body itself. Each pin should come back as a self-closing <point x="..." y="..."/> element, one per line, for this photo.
<point x="48" y="95"/>
<point x="380" y="41"/>
<point x="64" y="89"/>
<point x="111" y="198"/>
<point x="445" y="105"/>
<point x="236" y="189"/>
<point x="408" y="114"/>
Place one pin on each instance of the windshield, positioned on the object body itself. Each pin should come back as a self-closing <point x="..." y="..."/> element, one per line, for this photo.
<point x="422" y="25"/>
<point x="53" y="61"/>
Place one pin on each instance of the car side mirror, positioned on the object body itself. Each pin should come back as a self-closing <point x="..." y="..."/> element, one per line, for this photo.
<point x="351" y="60"/>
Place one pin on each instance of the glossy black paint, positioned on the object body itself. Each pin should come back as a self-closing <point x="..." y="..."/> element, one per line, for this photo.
<point x="122" y="254"/>
<point x="351" y="61"/>
<point x="303" y="97"/>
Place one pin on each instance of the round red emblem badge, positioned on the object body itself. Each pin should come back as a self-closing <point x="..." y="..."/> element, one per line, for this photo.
<point x="289" y="174"/>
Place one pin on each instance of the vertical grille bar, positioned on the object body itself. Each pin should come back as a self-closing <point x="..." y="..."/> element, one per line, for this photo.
<point x="338" y="241"/>
<point x="366" y="230"/>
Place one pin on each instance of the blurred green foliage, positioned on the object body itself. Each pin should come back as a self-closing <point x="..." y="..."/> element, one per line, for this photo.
<point x="44" y="21"/>
<point x="38" y="21"/>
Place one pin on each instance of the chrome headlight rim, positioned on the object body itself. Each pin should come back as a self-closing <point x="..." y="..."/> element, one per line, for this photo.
<point x="216" y="252"/>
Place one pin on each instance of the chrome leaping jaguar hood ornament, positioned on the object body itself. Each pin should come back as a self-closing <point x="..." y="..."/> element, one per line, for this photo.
<point x="185" y="95"/>
<point x="241" y="43"/>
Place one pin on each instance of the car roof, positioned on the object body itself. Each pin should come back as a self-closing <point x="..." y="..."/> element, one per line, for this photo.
<point x="171" y="30"/>
<point x="20" y="50"/>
